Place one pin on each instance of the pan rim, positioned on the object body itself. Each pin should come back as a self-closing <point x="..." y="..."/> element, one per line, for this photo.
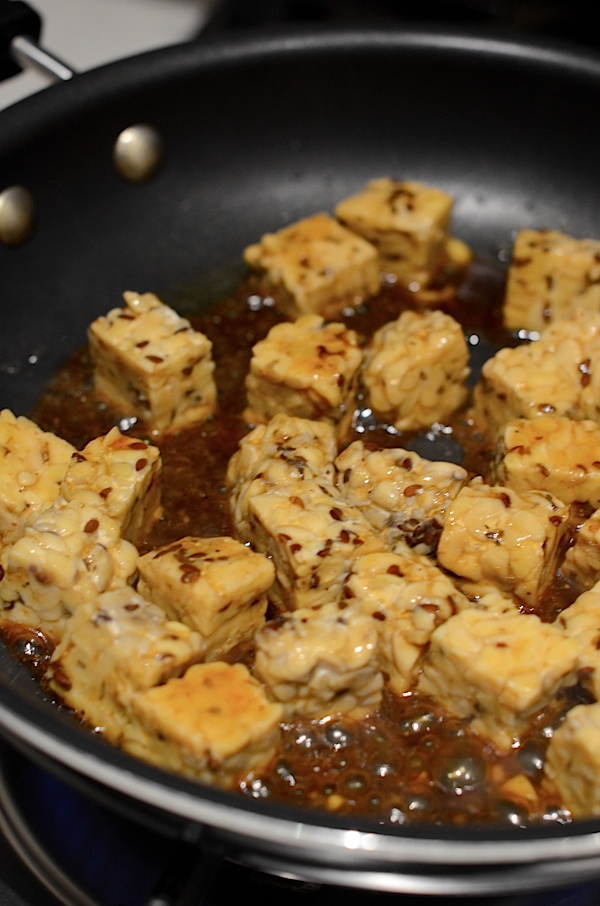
<point x="284" y="827"/>
<point x="68" y="99"/>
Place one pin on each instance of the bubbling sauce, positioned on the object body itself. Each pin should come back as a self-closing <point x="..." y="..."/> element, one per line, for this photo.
<point x="408" y="762"/>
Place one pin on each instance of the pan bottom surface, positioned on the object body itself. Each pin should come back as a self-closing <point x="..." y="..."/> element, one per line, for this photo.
<point x="59" y="847"/>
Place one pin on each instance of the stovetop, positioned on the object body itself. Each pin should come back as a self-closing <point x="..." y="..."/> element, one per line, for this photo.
<point x="90" y="856"/>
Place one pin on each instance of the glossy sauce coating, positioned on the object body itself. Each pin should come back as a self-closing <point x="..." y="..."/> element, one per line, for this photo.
<point x="407" y="763"/>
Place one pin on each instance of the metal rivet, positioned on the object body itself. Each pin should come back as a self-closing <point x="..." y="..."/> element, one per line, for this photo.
<point x="17" y="215"/>
<point x="138" y="153"/>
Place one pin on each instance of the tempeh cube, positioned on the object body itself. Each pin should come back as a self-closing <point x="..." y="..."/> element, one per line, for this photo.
<point x="552" y="453"/>
<point x="555" y="374"/>
<point x="313" y="536"/>
<point x="582" y="560"/>
<point x="304" y="444"/>
<point x="408" y="597"/>
<point x="32" y="465"/>
<point x="408" y="223"/>
<point x="319" y="662"/>
<point x="218" y="586"/>
<point x="269" y="456"/>
<point x="497" y="669"/>
<point x="401" y="494"/>
<point x="580" y="621"/>
<point x="113" y="646"/>
<point x="121" y="475"/>
<point x="150" y="362"/>
<point x="304" y="368"/>
<point x="320" y="266"/>
<point x="72" y="553"/>
<point x="213" y="724"/>
<point x="573" y="760"/>
<point x="496" y="535"/>
<point x="415" y="369"/>
<point x="551" y="276"/>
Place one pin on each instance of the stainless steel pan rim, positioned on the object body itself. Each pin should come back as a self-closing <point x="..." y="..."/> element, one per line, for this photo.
<point x="304" y="836"/>
<point x="170" y="62"/>
<point x="402" y="879"/>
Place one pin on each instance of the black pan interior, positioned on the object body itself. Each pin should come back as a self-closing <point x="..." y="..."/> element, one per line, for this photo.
<point x="260" y="130"/>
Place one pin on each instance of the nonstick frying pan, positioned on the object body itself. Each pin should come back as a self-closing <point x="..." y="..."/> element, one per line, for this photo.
<point x="260" y="129"/>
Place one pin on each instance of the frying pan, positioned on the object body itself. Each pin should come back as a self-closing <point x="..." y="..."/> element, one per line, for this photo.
<point x="258" y="130"/>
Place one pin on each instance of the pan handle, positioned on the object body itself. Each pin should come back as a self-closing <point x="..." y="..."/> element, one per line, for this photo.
<point x="20" y="29"/>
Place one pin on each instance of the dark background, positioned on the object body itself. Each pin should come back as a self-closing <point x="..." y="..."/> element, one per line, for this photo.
<point x="571" y="21"/>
